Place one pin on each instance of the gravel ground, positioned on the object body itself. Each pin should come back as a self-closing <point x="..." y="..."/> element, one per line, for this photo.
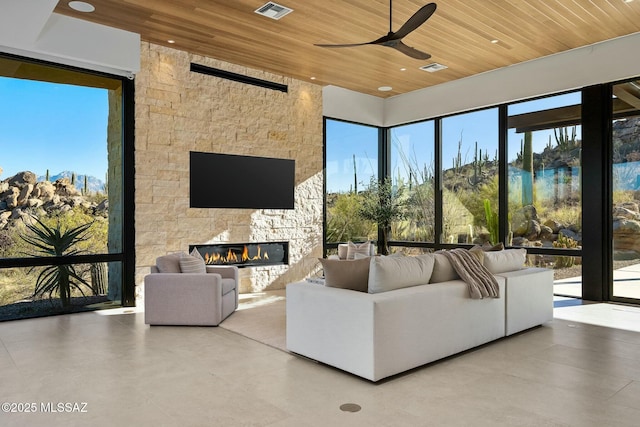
<point x="39" y="308"/>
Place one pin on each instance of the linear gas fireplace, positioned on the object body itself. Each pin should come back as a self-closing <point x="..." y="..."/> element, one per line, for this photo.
<point x="244" y="254"/>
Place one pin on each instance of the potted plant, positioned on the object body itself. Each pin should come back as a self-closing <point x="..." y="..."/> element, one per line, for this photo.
<point x="382" y="203"/>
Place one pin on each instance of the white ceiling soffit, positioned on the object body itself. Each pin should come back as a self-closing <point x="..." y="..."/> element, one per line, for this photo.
<point x="30" y="28"/>
<point x="21" y="21"/>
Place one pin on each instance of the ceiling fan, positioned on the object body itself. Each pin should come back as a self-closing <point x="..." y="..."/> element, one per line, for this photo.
<point x="394" y="40"/>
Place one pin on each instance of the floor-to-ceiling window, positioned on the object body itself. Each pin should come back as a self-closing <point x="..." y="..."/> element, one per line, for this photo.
<point x="412" y="169"/>
<point x="625" y="193"/>
<point x="524" y="174"/>
<point x="62" y="199"/>
<point x="470" y="177"/>
<point x="351" y="155"/>
<point x="544" y="185"/>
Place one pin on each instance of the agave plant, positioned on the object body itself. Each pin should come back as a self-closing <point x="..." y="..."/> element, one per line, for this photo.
<point x="49" y="241"/>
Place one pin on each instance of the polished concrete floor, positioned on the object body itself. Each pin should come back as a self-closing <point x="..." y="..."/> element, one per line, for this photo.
<point x="112" y="370"/>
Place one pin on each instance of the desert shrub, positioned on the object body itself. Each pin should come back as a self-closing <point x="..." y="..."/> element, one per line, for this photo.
<point x="343" y="221"/>
<point x="564" y="242"/>
<point x="57" y="240"/>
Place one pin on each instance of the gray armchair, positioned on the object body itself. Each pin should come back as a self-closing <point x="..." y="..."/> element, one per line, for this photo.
<point x="175" y="298"/>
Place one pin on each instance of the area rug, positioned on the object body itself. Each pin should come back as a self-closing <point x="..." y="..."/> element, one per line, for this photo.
<point x="261" y="317"/>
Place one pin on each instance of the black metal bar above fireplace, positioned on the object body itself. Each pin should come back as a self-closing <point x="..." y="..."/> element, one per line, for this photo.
<point x="248" y="254"/>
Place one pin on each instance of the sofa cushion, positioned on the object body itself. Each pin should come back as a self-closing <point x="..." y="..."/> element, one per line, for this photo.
<point x="503" y="261"/>
<point x="443" y="271"/>
<point x="387" y="273"/>
<point x="169" y="263"/>
<point x="346" y="274"/>
<point x="192" y="265"/>
<point x="358" y="248"/>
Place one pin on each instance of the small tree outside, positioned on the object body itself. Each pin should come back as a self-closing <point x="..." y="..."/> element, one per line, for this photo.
<point x="382" y="203"/>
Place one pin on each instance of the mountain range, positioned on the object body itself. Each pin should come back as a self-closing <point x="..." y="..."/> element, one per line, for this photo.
<point x="94" y="184"/>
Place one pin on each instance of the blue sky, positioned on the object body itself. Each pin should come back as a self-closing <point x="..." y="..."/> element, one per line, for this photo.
<point x="52" y="126"/>
<point x="416" y="141"/>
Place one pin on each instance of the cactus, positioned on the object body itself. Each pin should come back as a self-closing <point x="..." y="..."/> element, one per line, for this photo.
<point x="85" y="189"/>
<point x="457" y="160"/>
<point x="527" y="170"/>
<point x="105" y="187"/>
<point x="73" y="178"/>
<point x="46" y="175"/>
<point x="355" y="175"/>
<point x="492" y="222"/>
<point x="564" y="141"/>
<point x="564" y="242"/>
<point x="99" y="278"/>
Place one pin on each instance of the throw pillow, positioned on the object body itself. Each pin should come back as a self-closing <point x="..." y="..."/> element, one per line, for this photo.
<point x="358" y="248"/>
<point x="478" y="252"/>
<point x="387" y="273"/>
<point x="443" y="271"/>
<point x="507" y="260"/>
<point x="192" y="265"/>
<point x="196" y="253"/>
<point x="346" y="274"/>
<point x="169" y="263"/>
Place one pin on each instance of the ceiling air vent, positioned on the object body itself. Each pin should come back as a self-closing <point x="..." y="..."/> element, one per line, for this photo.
<point x="273" y="10"/>
<point x="433" y="67"/>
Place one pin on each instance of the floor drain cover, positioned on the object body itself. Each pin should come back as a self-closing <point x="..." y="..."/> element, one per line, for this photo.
<point x="350" y="407"/>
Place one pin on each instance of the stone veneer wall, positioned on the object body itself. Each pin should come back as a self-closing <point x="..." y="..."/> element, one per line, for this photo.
<point x="178" y="111"/>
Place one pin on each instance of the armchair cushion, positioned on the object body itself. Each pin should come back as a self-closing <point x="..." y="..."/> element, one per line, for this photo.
<point x="191" y="264"/>
<point x="169" y="263"/>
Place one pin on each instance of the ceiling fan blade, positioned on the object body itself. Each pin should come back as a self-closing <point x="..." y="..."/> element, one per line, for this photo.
<point x="342" y="45"/>
<point x="415" y="21"/>
<point x="410" y="51"/>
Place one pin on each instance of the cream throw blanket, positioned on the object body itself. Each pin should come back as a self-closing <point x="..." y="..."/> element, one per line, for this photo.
<point x="481" y="282"/>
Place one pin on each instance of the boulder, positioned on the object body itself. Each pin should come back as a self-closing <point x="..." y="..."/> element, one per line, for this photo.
<point x="34" y="203"/>
<point x="520" y="241"/>
<point x="632" y="206"/>
<point x="546" y="233"/>
<point x="44" y="190"/>
<point x="65" y="189"/>
<point x="622" y="212"/>
<point x="22" y="178"/>
<point x="11" y="197"/>
<point x="554" y="225"/>
<point x="25" y="193"/>
<point x="623" y="225"/>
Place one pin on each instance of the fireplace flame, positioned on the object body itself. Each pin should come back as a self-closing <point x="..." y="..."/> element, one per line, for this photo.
<point x="233" y="257"/>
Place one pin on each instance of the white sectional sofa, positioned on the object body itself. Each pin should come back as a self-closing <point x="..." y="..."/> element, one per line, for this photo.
<point x="376" y="335"/>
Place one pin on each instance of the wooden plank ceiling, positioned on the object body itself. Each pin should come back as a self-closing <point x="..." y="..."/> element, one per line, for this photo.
<point x="468" y="36"/>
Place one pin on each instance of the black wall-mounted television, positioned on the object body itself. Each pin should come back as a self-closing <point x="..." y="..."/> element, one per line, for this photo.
<point x="231" y="181"/>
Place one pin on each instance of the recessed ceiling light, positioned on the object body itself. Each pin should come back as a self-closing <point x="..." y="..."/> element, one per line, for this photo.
<point x="313" y="78"/>
<point x="495" y="41"/>
<point x="628" y="1"/>
<point x="403" y="69"/>
<point x="81" y="6"/>
<point x="171" y="41"/>
<point x="385" y="88"/>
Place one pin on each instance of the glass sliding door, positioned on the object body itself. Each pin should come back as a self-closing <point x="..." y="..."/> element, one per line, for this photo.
<point x="626" y="191"/>
<point x="544" y="185"/>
